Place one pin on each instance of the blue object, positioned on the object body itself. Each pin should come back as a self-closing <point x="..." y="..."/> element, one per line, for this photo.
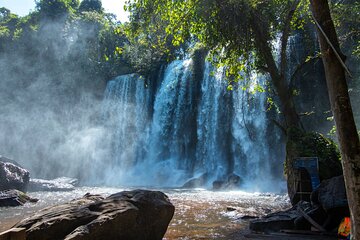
<point x="311" y="164"/>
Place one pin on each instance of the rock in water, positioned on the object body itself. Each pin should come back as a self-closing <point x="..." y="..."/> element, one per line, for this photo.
<point x="233" y="182"/>
<point x="138" y="215"/>
<point x="13" y="176"/>
<point x="197" y="181"/>
<point x="58" y="184"/>
<point x="14" y="198"/>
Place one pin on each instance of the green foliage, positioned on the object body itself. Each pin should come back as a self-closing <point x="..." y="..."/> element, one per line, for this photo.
<point x="84" y="39"/>
<point x="313" y="144"/>
<point x="356" y="50"/>
<point x="4" y="14"/>
<point x="150" y="42"/>
<point x="55" y="9"/>
<point x="91" y="5"/>
<point x="332" y="131"/>
<point x="227" y="28"/>
<point x="8" y="25"/>
<point x="347" y="21"/>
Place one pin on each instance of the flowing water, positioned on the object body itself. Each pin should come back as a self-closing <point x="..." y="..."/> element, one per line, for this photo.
<point x="187" y="127"/>
<point x="199" y="213"/>
<point x="164" y="132"/>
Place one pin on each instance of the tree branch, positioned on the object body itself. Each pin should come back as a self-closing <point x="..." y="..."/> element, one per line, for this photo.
<point x="300" y="66"/>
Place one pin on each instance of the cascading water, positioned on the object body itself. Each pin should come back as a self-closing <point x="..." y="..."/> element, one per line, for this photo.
<point x="169" y="143"/>
<point x="126" y="115"/>
<point x="249" y="128"/>
<point x="197" y="126"/>
<point x="214" y="121"/>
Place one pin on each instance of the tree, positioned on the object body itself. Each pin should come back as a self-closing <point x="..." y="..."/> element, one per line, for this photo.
<point x="341" y="107"/>
<point x="149" y="42"/>
<point x="91" y="5"/>
<point x="244" y="35"/>
<point x="239" y="34"/>
<point x="55" y="9"/>
<point x="8" y="24"/>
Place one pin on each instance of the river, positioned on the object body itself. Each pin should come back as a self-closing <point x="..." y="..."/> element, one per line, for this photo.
<point x="199" y="213"/>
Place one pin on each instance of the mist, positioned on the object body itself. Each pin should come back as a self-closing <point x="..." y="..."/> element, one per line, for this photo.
<point x="50" y="98"/>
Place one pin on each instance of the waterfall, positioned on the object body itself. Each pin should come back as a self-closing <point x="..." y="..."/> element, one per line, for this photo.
<point x="196" y="126"/>
<point x="169" y="156"/>
<point x="126" y="116"/>
<point x="249" y="128"/>
<point x="214" y="123"/>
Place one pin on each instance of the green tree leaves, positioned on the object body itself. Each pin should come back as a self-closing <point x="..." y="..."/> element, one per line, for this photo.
<point x="54" y="9"/>
<point x="91" y="5"/>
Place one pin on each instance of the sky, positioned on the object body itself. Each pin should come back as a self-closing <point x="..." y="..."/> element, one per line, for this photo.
<point x="23" y="7"/>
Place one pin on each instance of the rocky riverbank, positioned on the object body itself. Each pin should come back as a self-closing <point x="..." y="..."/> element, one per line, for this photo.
<point x="138" y="214"/>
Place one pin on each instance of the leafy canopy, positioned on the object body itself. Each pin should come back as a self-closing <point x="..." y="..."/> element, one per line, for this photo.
<point x="91" y="5"/>
<point x="226" y="27"/>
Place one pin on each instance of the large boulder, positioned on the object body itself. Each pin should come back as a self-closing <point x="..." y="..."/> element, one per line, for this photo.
<point x="14" y="198"/>
<point x="331" y="193"/>
<point x="13" y="176"/>
<point x="58" y="184"/>
<point x="331" y="197"/>
<point x="232" y="182"/>
<point x="311" y="144"/>
<point x="137" y="214"/>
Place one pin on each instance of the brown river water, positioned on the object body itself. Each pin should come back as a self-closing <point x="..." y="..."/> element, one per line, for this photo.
<point x="199" y="213"/>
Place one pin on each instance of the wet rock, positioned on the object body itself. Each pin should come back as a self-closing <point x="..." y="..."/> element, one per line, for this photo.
<point x="12" y="176"/>
<point x="247" y="217"/>
<point x="331" y="193"/>
<point x="277" y="221"/>
<point x="137" y="214"/>
<point x="274" y="222"/>
<point x="230" y="209"/>
<point x="14" y="198"/>
<point x="233" y="181"/>
<point x="331" y="198"/>
<point x="196" y="182"/>
<point x="217" y="185"/>
<point x="58" y="184"/>
<point x="5" y="159"/>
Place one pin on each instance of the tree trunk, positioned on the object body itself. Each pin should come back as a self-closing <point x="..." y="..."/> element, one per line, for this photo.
<point x="341" y="108"/>
<point x="278" y="79"/>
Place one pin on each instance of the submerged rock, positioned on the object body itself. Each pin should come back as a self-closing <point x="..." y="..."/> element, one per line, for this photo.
<point x="137" y="214"/>
<point x="14" y="198"/>
<point x="12" y="176"/>
<point x="197" y="181"/>
<point x="58" y="184"/>
<point x="233" y="181"/>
